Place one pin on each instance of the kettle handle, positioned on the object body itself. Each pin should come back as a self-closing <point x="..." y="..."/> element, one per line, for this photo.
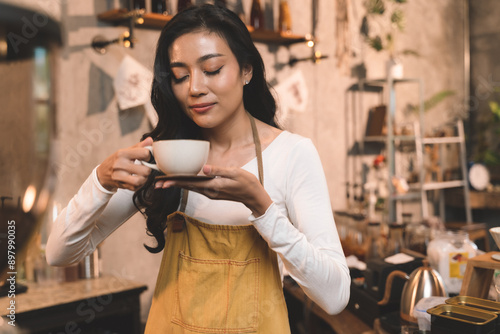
<point x="388" y="285"/>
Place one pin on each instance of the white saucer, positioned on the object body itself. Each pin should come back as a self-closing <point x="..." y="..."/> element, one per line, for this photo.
<point x="184" y="177"/>
<point x="496" y="256"/>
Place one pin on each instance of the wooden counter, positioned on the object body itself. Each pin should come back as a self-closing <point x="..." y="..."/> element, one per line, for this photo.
<point x="342" y="323"/>
<point x="105" y="303"/>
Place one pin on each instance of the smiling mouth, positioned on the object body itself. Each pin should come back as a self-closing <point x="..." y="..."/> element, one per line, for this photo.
<point x="201" y="107"/>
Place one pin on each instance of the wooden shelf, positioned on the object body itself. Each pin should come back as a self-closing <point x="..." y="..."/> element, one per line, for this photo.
<point x="478" y="199"/>
<point x="157" y="21"/>
<point x="275" y="37"/>
<point x="121" y="16"/>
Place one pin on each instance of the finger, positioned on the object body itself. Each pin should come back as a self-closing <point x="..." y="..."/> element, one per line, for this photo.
<point x="123" y="179"/>
<point x="210" y="188"/>
<point x="130" y="167"/>
<point x="134" y="153"/>
<point x="135" y="181"/>
<point x="118" y="178"/>
<point x="139" y="170"/>
<point x="168" y="184"/>
<point x="228" y="172"/>
<point x="139" y="150"/>
<point x="146" y="142"/>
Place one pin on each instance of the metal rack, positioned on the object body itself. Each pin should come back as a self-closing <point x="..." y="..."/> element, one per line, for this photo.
<point x="386" y="89"/>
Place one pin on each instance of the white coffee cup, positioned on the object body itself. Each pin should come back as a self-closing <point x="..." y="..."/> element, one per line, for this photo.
<point x="178" y="157"/>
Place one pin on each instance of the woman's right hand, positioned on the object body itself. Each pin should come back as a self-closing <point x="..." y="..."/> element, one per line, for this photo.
<point x="119" y="170"/>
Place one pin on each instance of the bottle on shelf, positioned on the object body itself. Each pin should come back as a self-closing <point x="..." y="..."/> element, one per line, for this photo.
<point x="395" y="243"/>
<point x="285" y="19"/>
<point x="375" y="247"/>
<point x="257" y="15"/>
<point x="137" y="4"/>
<point x="159" y="6"/>
<point x="183" y="4"/>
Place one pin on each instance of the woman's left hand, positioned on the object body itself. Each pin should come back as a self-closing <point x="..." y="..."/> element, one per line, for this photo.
<point x="230" y="183"/>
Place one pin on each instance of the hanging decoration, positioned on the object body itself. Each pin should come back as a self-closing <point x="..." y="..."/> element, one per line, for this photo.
<point x="343" y="38"/>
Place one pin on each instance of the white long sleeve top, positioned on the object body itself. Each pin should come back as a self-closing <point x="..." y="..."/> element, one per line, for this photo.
<point x="298" y="226"/>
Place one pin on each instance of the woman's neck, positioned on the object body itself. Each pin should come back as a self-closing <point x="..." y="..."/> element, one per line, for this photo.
<point x="236" y="132"/>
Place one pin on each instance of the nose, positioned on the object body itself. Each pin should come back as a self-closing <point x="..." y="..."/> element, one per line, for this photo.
<point x="197" y="85"/>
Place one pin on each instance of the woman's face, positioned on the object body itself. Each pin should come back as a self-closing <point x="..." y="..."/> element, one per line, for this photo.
<point x="207" y="79"/>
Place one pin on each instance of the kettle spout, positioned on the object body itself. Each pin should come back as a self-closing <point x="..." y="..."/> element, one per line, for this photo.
<point x="388" y="285"/>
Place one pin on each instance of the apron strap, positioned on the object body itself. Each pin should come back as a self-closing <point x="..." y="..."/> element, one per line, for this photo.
<point x="184" y="200"/>
<point x="258" y="153"/>
<point x="258" y="149"/>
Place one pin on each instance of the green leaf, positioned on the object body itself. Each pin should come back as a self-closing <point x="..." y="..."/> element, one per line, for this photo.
<point x="376" y="43"/>
<point x="495" y="109"/>
<point x="491" y="158"/>
<point x="398" y="19"/>
<point x="432" y="101"/>
<point x="375" y="7"/>
<point x="437" y="98"/>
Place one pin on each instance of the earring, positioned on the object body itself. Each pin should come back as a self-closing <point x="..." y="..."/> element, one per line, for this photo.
<point x="246" y="82"/>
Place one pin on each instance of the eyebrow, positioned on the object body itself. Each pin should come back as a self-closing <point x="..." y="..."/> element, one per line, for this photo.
<point x="200" y="60"/>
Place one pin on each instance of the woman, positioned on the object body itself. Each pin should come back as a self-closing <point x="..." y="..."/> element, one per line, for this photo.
<point x="228" y="239"/>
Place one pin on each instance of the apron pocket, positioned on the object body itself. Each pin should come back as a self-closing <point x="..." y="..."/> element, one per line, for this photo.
<point x="217" y="296"/>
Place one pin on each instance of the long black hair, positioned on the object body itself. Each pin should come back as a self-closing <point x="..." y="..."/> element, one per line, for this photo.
<point x="173" y="122"/>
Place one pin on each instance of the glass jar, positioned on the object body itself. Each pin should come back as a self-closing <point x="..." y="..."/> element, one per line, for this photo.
<point x="448" y="254"/>
<point x="395" y="243"/>
<point x="417" y="237"/>
<point x="375" y="247"/>
<point x="354" y="237"/>
<point x="435" y="248"/>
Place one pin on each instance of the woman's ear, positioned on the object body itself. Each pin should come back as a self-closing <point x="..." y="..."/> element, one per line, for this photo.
<point x="247" y="74"/>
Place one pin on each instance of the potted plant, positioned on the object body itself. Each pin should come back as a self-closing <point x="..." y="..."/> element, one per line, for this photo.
<point x="383" y="21"/>
<point x="488" y="128"/>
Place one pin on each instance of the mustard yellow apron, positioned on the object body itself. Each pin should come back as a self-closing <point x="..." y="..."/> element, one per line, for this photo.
<point x="217" y="278"/>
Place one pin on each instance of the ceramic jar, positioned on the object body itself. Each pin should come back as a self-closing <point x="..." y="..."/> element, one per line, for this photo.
<point x="448" y="253"/>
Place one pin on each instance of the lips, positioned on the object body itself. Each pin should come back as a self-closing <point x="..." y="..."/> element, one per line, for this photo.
<point x="201" y="107"/>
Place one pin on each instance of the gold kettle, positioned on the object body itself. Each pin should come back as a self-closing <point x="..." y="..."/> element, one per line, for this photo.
<point x="423" y="282"/>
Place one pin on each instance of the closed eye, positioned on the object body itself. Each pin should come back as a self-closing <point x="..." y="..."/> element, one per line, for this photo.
<point x="217" y="71"/>
<point x="209" y="73"/>
<point x="179" y="80"/>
